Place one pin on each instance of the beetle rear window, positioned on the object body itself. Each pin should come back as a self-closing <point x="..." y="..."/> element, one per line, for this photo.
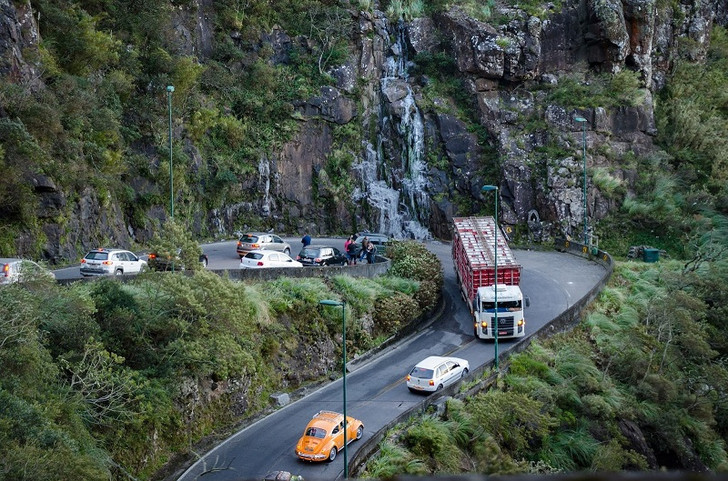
<point x="316" y="432"/>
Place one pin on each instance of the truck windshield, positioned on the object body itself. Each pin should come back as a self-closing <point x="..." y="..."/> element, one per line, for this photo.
<point x="509" y="305"/>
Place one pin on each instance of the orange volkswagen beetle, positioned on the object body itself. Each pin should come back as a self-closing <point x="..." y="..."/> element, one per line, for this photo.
<point x="324" y="436"/>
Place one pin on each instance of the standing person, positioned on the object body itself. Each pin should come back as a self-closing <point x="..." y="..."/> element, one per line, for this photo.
<point x="350" y="250"/>
<point x="306" y="240"/>
<point x="364" y="244"/>
<point x="370" y="251"/>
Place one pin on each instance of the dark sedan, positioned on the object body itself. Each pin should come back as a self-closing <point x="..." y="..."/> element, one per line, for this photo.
<point x="321" y="256"/>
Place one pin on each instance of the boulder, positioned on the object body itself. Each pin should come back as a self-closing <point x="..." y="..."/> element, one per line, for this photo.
<point x="330" y="105"/>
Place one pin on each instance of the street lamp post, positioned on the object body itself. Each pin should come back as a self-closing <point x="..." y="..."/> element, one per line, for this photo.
<point x="488" y="188"/>
<point x="327" y="302"/>
<point x="170" y="89"/>
<point x="583" y="121"/>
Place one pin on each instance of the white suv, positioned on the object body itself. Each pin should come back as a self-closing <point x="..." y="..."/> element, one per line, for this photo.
<point x="102" y="262"/>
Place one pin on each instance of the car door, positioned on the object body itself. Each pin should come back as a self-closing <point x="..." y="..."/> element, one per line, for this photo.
<point x="275" y="260"/>
<point x="440" y="375"/>
<point x="337" y="435"/>
<point x="338" y="257"/>
<point x="134" y="264"/>
<point x="276" y="243"/>
<point x="451" y="372"/>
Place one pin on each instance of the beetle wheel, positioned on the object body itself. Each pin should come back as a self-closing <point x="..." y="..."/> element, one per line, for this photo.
<point x="332" y="453"/>
<point x="360" y="432"/>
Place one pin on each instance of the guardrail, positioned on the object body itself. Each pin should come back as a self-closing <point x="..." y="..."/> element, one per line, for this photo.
<point x="563" y="322"/>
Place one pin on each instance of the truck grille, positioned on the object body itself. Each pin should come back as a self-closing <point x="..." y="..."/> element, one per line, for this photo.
<point x="505" y="326"/>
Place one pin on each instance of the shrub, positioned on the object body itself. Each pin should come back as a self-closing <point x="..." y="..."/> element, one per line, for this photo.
<point x="391" y="312"/>
<point x="432" y="440"/>
<point x="411" y="260"/>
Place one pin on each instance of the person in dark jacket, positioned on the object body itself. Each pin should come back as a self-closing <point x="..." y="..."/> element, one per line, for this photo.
<point x="306" y="240"/>
<point x="350" y="249"/>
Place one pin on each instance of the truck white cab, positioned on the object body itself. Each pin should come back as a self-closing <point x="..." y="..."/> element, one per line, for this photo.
<point x="511" y="321"/>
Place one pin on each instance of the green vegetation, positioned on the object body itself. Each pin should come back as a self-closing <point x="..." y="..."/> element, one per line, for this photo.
<point x="648" y="358"/>
<point x="647" y="363"/>
<point x="101" y="119"/>
<point x="93" y="371"/>
<point x="604" y="90"/>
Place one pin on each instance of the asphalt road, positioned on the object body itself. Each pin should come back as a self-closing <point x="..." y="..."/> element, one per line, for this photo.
<point x="376" y="392"/>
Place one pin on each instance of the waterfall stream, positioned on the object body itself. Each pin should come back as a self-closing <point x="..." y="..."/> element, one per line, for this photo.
<point x="396" y="187"/>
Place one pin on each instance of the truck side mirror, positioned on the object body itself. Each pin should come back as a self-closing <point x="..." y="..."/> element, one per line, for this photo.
<point x="527" y="300"/>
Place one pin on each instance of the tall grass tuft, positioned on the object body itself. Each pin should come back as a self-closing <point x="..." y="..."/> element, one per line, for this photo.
<point x="360" y="293"/>
<point x="394" y="459"/>
<point x="432" y="439"/>
<point x="306" y="291"/>
<point x="398" y="284"/>
<point x="569" y="450"/>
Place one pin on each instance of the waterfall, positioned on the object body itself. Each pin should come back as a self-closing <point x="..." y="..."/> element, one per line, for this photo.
<point x="264" y="178"/>
<point x="397" y="187"/>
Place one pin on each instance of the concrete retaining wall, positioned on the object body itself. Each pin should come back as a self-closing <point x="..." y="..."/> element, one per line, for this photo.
<point x="381" y="266"/>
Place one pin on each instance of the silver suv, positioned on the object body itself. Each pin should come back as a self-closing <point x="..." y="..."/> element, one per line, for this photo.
<point x="103" y="262"/>
<point x="258" y="241"/>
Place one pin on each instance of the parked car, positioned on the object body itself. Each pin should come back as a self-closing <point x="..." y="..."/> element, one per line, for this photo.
<point x="321" y="256"/>
<point x="257" y="241"/>
<point x="380" y="241"/>
<point x="435" y="372"/>
<point x="261" y="259"/>
<point x="167" y="262"/>
<point x="102" y="262"/>
<point x="20" y="270"/>
<point x="323" y="437"/>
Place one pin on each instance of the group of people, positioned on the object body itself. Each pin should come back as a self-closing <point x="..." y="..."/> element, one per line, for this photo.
<point x="367" y="251"/>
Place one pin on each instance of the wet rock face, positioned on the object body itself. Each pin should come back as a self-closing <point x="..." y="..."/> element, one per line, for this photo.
<point x="18" y="35"/>
<point x="500" y="65"/>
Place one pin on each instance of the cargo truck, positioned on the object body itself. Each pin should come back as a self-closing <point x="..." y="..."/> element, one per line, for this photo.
<point x="473" y="253"/>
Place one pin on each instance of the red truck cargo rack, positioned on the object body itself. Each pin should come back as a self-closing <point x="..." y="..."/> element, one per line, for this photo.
<point x="473" y="253"/>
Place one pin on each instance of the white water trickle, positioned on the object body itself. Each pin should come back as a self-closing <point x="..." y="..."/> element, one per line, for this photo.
<point x="264" y="175"/>
<point x="403" y="211"/>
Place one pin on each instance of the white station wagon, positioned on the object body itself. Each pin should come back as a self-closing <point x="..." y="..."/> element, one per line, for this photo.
<point x="436" y="372"/>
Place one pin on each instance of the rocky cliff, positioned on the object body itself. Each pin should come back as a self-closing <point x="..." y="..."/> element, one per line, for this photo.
<point x="415" y="153"/>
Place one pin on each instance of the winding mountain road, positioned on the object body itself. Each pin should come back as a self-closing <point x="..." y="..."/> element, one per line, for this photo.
<point x="376" y="392"/>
